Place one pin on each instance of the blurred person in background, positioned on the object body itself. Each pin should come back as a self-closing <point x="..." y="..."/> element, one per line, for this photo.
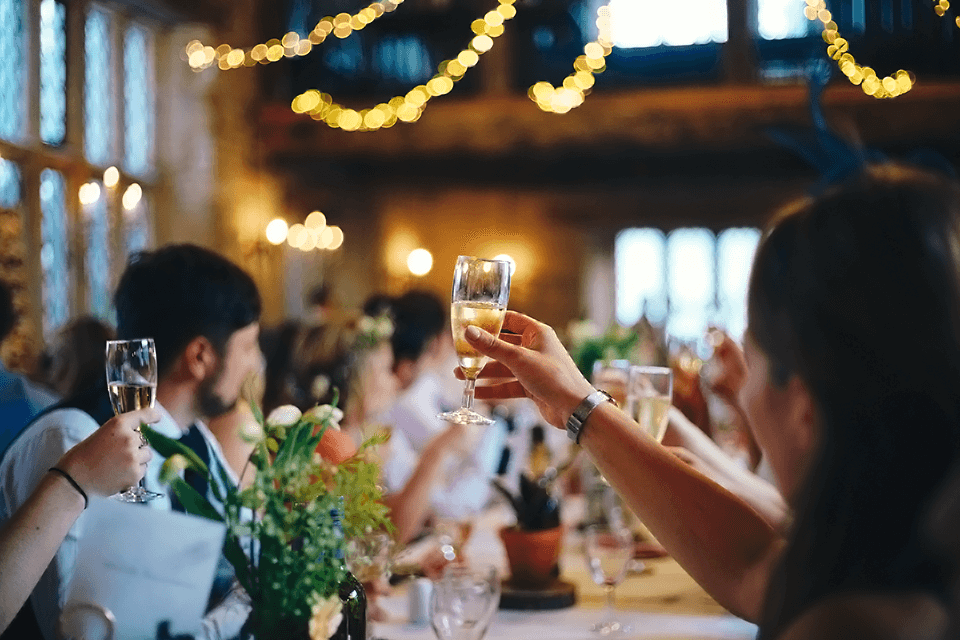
<point x="78" y="354"/>
<point x="20" y="398"/>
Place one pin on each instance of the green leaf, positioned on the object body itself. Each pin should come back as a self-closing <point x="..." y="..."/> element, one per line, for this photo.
<point x="167" y="447"/>
<point x="257" y="412"/>
<point x="241" y="565"/>
<point x="193" y="502"/>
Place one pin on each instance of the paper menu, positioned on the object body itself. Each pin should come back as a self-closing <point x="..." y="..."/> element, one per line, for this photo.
<point x="146" y="566"/>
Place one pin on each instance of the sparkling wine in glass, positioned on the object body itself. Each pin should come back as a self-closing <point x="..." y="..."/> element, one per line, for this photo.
<point x="649" y="394"/>
<point x="481" y="289"/>
<point x="132" y="385"/>
<point x="609" y="551"/>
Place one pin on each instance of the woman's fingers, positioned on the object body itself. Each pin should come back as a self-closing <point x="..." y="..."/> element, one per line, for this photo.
<point x="502" y="391"/>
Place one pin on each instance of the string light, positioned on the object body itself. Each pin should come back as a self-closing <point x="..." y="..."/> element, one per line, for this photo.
<point x="200" y="56"/>
<point x="408" y="108"/>
<point x="838" y="49"/>
<point x="576" y="86"/>
<point x="941" y="7"/>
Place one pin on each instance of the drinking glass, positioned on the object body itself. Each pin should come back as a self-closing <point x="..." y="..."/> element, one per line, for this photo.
<point x="463" y="602"/>
<point x="649" y="394"/>
<point x="132" y="385"/>
<point x="612" y="376"/>
<point x="481" y="289"/>
<point x="609" y="551"/>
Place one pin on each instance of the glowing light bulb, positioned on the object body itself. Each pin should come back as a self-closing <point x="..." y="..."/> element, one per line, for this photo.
<point x="277" y="231"/>
<point x="111" y="177"/>
<point x="420" y="262"/>
<point x="131" y="197"/>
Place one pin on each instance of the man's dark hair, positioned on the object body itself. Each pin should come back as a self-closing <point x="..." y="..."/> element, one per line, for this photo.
<point x="418" y="317"/>
<point x="179" y="292"/>
<point x="319" y="296"/>
<point x="8" y="314"/>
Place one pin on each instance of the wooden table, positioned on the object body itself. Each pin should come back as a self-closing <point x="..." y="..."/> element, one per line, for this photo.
<point x="663" y="602"/>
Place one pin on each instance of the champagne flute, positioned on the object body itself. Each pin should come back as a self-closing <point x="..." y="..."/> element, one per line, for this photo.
<point x="649" y="394"/>
<point x="609" y="551"/>
<point x="132" y="385"/>
<point x="481" y="289"/>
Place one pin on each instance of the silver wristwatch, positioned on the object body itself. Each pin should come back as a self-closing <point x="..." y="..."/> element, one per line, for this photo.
<point x="583" y="411"/>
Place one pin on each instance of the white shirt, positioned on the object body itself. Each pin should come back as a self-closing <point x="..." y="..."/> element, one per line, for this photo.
<point x="29" y="458"/>
<point x="465" y="487"/>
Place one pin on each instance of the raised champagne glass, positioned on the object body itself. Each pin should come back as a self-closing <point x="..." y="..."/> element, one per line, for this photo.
<point x="132" y="385"/>
<point x="649" y="394"/>
<point x="481" y="289"/>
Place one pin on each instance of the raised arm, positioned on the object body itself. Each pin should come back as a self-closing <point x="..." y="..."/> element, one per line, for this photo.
<point x="717" y="537"/>
<point x="103" y="464"/>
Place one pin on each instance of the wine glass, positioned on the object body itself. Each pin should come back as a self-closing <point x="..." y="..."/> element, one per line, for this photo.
<point x="609" y="551"/>
<point x="481" y="289"/>
<point x="463" y="602"/>
<point x="132" y="385"/>
<point x="649" y="394"/>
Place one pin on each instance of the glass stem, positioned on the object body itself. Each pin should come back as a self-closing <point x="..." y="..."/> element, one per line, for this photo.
<point x="608" y="609"/>
<point x="468" y="391"/>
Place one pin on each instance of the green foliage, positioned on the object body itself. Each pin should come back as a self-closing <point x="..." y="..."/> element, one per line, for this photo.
<point x="305" y="509"/>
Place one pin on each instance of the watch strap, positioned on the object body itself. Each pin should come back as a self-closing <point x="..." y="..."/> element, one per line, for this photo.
<point x="582" y="412"/>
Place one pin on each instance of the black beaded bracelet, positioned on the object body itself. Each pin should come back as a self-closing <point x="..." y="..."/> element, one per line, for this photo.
<point x="86" y="501"/>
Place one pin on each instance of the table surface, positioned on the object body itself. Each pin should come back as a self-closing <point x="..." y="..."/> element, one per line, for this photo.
<point x="662" y="602"/>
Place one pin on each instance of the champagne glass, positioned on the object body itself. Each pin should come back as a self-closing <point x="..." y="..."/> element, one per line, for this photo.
<point x="649" y="394"/>
<point x="609" y="551"/>
<point x="481" y="289"/>
<point x="132" y="385"/>
<point x="463" y="602"/>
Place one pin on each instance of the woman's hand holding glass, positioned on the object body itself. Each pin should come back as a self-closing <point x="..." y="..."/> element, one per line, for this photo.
<point x="538" y="368"/>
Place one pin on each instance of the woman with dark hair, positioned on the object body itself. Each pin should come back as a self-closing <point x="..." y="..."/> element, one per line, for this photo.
<point x="852" y="390"/>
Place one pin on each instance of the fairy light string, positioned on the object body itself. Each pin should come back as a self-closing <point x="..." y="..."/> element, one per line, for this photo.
<point x="201" y="56"/>
<point x="838" y="48"/>
<point x="940" y="7"/>
<point x="576" y="87"/>
<point x="408" y="108"/>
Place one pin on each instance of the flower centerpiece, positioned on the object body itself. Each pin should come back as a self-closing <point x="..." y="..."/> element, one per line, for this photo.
<point x="286" y="532"/>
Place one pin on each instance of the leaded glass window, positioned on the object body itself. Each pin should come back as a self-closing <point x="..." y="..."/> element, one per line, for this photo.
<point x="53" y="72"/>
<point x="98" y="89"/>
<point x="54" y="252"/>
<point x="138" y="100"/>
<point x="685" y="280"/>
<point x="11" y="68"/>
<point x="780" y="19"/>
<point x="735" y="249"/>
<point x="640" y="276"/>
<point x="651" y="23"/>
<point x="9" y="184"/>
<point x="97" y="262"/>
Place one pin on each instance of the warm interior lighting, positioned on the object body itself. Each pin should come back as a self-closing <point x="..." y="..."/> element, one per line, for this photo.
<point x="89" y="193"/>
<point x="315" y="220"/>
<point x="420" y="262"/>
<point x="131" y="197"/>
<point x="506" y="258"/>
<point x="336" y="239"/>
<point x="277" y="231"/>
<point x="311" y="240"/>
<point x="296" y="235"/>
<point x="111" y="177"/>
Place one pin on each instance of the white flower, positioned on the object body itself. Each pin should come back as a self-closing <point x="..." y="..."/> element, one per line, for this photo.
<point x="326" y="615"/>
<point x="172" y="467"/>
<point x="320" y="386"/>
<point x="285" y="416"/>
<point x="325" y="414"/>
<point x="366" y="324"/>
<point x="251" y="431"/>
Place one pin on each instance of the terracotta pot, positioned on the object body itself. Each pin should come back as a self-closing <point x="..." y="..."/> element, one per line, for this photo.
<point x="532" y="556"/>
